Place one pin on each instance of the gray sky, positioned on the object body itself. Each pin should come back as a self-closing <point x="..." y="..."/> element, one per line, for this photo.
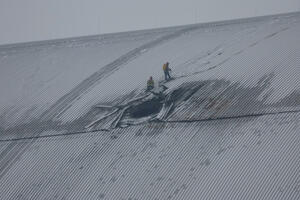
<point x="31" y="20"/>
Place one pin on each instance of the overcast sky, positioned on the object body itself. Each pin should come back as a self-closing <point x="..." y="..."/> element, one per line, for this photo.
<point x="31" y="20"/>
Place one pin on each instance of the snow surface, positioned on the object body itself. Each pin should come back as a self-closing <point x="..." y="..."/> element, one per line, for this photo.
<point x="227" y="125"/>
<point x="255" y="158"/>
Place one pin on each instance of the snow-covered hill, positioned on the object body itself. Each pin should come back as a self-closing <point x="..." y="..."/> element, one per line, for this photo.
<point x="76" y="122"/>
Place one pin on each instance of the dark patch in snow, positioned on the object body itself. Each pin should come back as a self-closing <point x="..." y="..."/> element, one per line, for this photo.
<point x="147" y="108"/>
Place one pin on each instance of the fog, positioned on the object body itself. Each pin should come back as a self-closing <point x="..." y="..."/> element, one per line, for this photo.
<point x="33" y="20"/>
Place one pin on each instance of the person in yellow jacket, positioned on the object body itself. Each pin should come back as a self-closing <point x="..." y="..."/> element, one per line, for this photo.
<point x="166" y="70"/>
<point x="150" y="83"/>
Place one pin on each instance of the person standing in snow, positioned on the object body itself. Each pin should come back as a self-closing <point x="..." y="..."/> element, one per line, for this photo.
<point x="150" y="83"/>
<point x="166" y="70"/>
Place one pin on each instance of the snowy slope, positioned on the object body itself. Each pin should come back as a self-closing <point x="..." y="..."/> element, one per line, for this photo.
<point x="231" y="159"/>
<point x="62" y="82"/>
<point x="227" y="126"/>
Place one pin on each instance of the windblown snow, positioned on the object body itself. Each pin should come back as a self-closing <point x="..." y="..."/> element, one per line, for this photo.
<point x="77" y="123"/>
